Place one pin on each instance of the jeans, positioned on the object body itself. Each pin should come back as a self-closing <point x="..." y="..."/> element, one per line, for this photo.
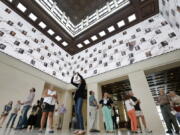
<point x="12" y="118"/>
<point x="23" y="121"/>
<point x="78" y="111"/>
<point x="178" y="116"/>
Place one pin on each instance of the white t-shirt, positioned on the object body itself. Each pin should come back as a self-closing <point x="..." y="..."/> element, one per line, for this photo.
<point x="50" y="100"/>
<point x="129" y="104"/>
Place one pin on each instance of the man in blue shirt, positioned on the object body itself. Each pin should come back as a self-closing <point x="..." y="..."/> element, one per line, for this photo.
<point x="93" y="107"/>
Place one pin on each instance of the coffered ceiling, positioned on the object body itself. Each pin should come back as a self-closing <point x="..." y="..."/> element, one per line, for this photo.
<point x="81" y="24"/>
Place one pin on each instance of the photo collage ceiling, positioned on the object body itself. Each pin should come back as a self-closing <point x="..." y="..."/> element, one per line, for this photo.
<point x="19" y="39"/>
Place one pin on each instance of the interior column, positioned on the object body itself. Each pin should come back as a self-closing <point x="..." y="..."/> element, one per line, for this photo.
<point x="68" y="115"/>
<point x="142" y="91"/>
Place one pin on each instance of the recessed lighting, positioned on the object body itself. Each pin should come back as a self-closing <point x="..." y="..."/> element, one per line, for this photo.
<point x="79" y="45"/>
<point x="121" y="24"/>
<point x="58" y="38"/>
<point x="102" y="33"/>
<point x="42" y="25"/>
<point x="64" y="43"/>
<point x="10" y="1"/>
<point x="21" y="7"/>
<point x="111" y="29"/>
<point x="94" y="37"/>
<point x="51" y="32"/>
<point x="32" y="17"/>
<point x="132" y="18"/>
<point x="86" y="42"/>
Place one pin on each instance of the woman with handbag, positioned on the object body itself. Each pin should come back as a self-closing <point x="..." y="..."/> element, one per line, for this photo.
<point x="7" y="109"/>
<point x="106" y="103"/>
<point x="175" y="102"/>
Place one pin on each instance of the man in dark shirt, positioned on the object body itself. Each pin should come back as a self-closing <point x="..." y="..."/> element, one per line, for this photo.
<point x="78" y="97"/>
<point x="139" y="113"/>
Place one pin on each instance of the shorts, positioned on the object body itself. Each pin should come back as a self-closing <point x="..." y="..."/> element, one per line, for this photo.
<point x="139" y="113"/>
<point x="48" y="108"/>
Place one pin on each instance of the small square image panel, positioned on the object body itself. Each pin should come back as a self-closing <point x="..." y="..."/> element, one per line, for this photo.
<point x="164" y="43"/>
<point x="118" y="64"/>
<point x="138" y="29"/>
<point x="45" y="64"/>
<point x="153" y="41"/>
<point x="20" y="24"/>
<point x="105" y="64"/>
<point x="151" y="20"/>
<point x="121" y="42"/>
<point x="17" y="43"/>
<point x="24" y="32"/>
<point x="26" y="42"/>
<point x="164" y="23"/>
<point x="2" y="46"/>
<point x="54" y="73"/>
<point x="21" y="51"/>
<point x="142" y="40"/>
<point x="158" y="31"/>
<point x="178" y="9"/>
<point x="7" y="10"/>
<point x="35" y="40"/>
<point x="124" y="32"/>
<point x="1" y="33"/>
<point x="133" y="36"/>
<point x="12" y="33"/>
<point x="10" y="23"/>
<point x="95" y="71"/>
<point x="30" y="51"/>
<point x="171" y="35"/>
<point x="33" y="30"/>
<point x="33" y="62"/>
<point x="147" y="30"/>
<point x="131" y="61"/>
<point x="148" y="54"/>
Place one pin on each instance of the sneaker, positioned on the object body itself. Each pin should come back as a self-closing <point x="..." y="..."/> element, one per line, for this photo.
<point x="51" y="132"/>
<point x="139" y="131"/>
<point x="169" y="132"/>
<point x="148" y="131"/>
<point x="40" y="131"/>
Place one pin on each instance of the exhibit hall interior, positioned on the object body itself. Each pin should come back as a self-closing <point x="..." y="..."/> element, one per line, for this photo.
<point x="90" y="67"/>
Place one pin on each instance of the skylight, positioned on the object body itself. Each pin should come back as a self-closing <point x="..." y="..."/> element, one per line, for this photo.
<point x="121" y="23"/>
<point x="58" y="38"/>
<point x="21" y="7"/>
<point x="94" y="37"/>
<point x="64" y="43"/>
<point x="102" y="33"/>
<point x="79" y="45"/>
<point x="32" y="17"/>
<point x="132" y="18"/>
<point x="51" y="32"/>
<point x="111" y="29"/>
<point x="86" y="42"/>
<point x="42" y="25"/>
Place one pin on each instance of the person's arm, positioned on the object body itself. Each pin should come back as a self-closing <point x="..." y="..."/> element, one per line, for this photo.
<point x="82" y="79"/>
<point x="73" y="83"/>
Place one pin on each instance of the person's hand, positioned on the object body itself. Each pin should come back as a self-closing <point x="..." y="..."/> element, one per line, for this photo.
<point x="97" y="107"/>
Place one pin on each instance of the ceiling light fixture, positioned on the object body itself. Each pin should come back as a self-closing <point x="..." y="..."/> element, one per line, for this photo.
<point x="132" y="18"/>
<point x="111" y="29"/>
<point x="64" y="43"/>
<point x="94" y="37"/>
<point x="21" y="7"/>
<point x="32" y="17"/>
<point x="58" y="38"/>
<point x="42" y="25"/>
<point x="102" y="33"/>
<point x="121" y="23"/>
<point x="51" y="32"/>
<point x="86" y="42"/>
<point x="79" y="45"/>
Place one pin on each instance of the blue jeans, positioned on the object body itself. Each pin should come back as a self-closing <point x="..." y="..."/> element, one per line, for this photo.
<point x="12" y="118"/>
<point x="178" y="117"/>
<point x="23" y="121"/>
<point x="78" y="111"/>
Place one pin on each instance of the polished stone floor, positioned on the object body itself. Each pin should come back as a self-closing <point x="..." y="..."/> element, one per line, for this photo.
<point x="35" y="132"/>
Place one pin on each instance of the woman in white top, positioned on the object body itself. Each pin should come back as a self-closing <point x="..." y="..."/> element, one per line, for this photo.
<point x="131" y="113"/>
<point x="50" y="99"/>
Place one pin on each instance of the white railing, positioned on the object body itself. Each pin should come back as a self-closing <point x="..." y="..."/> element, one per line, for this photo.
<point x="60" y="17"/>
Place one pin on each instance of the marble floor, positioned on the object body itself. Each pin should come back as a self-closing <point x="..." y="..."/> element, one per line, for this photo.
<point x="35" y="132"/>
